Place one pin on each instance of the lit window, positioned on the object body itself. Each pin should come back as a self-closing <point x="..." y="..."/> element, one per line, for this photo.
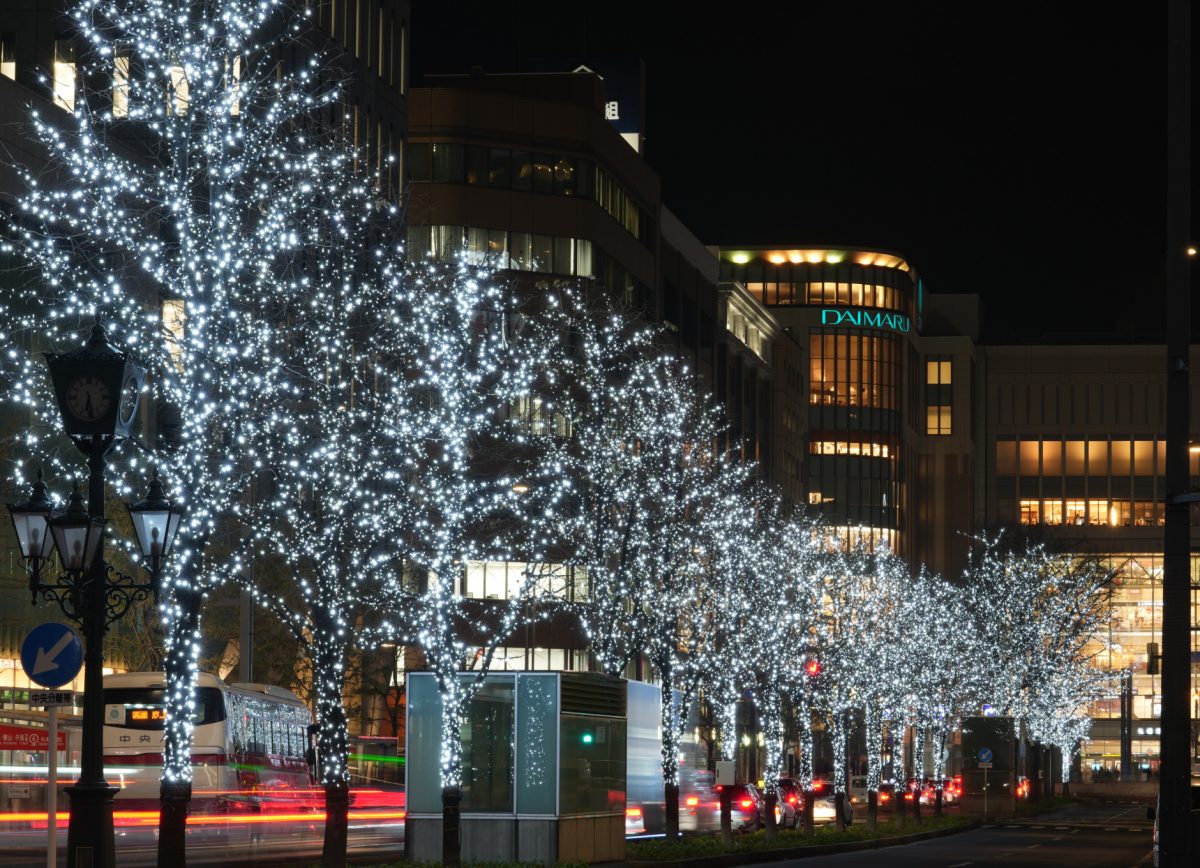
<point x="8" y="60"/>
<point x="236" y="86"/>
<point x="174" y="318"/>
<point x="64" y="74"/>
<point x="1031" y="512"/>
<point x="937" y="420"/>
<point x="120" y="92"/>
<point x="177" y="93"/>
<point x="1052" y="512"/>
<point x="1076" y="512"/>
<point x="1098" y="512"/>
<point x="938" y="396"/>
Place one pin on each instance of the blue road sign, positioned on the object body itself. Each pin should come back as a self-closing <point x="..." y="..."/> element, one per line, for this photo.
<point x="985" y="754"/>
<point x="52" y="655"/>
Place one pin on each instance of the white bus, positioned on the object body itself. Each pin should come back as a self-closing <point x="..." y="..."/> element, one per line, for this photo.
<point x="249" y="745"/>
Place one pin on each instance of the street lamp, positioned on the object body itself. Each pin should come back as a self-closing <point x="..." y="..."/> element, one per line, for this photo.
<point x="98" y="388"/>
<point x="76" y="536"/>
<point x="155" y="521"/>
<point x="30" y="521"/>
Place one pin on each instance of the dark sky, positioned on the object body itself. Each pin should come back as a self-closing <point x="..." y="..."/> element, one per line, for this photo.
<point x="1019" y="154"/>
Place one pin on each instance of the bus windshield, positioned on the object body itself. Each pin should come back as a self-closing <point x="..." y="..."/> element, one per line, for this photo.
<point x="144" y="707"/>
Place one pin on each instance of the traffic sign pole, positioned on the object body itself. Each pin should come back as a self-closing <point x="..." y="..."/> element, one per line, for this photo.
<point x="51" y="656"/>
<point x="52" y="791"/>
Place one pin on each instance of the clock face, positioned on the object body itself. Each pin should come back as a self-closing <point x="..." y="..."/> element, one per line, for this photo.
<point x="129" y="399"/>
<point x="88" y="398"/>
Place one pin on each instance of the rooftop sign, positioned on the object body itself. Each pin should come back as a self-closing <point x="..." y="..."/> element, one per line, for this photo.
<point x="865" y="317"/>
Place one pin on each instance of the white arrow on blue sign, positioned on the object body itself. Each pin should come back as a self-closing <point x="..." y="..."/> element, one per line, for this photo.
<point x="52" y="655"/>
<point x="985" y="754"/>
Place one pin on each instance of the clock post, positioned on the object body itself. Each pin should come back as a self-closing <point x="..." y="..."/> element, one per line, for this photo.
<point x="97" y="387"/>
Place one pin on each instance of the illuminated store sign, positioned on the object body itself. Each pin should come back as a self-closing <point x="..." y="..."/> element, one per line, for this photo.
<point x="864" y="317"/>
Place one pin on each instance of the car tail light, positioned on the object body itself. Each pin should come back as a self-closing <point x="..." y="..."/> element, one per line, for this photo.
<point x="633" y="813"/>
<point x="883" y="797"/>
<point x="792" y="800"/>
<point x="746" y="803"/>
<point x="692" y="801"/>
<point x="908" y="797"/>
<point x="818" y="786"/>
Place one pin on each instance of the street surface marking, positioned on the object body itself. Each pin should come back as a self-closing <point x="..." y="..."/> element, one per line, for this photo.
<point x="1059" y="838"/>
<point x="1031" y="846"/>
<point x="960" y="865"/>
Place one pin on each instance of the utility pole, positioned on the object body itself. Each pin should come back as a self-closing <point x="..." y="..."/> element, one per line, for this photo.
<point x="1175" y="777"/>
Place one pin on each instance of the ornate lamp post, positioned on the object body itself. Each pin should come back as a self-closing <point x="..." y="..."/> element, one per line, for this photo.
<point x="98" y="388"/>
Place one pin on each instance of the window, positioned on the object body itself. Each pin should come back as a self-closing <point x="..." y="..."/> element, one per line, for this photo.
<point x="64" y="74"/>
<point x="1098" y="512"/>
<point x="1052" y="458"/>
<point x="235" y="84"/>
<point x="1052" y="512"/>
<point x="1146" y="513"/>
<point x="1075" y="464"/>
<point x="499" y="172"/>
<point x="1119" y="514"/>
<point x="851" y="368"/>
<point x="1143" y="457"/>
<point x="1006" y="458"/>
<point x="120" y="91"/>
<point x="447" y="162"/>
<point x="174" y="318"/>
<point x="8" y="60"/>
<point x="177" y="91"/>
<point x="938" y="394"/>
<point x="937" y="420"/>
<point x="1097" y="458"/>
<point x="1029" y="457"/>
<point x="1076" y="512"/>
<point x="1030" y="512"/>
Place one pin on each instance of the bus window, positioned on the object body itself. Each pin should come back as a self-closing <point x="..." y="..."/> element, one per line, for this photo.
<point x="144" y="707"/>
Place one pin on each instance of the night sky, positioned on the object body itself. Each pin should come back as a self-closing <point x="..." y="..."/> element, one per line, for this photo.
<point x="1020" y="155"/>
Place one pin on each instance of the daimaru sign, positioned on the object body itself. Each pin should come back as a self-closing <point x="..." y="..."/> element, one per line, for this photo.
<point x="864" y="317"/>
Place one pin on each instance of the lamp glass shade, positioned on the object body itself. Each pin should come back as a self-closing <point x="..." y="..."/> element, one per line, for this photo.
<point x="77" y="541"/>
<point x="33" y="533"/>
<point x="155" y="530"/>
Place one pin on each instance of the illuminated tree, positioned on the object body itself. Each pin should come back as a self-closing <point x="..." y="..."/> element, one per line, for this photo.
<point x="644" y="474"/>
<point x="468" y="475"/>
<point x="176" y="192"/>
<point x="324" y="447"/>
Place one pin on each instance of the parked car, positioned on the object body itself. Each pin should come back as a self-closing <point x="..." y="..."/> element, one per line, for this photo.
<point x="746" y="807"/>
<point x="790" y="804"/>
<point x="825" y="809"/>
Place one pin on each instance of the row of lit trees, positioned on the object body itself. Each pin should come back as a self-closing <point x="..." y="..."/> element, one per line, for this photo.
<point x="818" y="634"/>
<point x="373" y="423"/>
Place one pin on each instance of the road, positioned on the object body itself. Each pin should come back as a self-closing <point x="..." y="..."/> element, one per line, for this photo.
<point x="279" y="843"/>
<point x="1091" y="834"/>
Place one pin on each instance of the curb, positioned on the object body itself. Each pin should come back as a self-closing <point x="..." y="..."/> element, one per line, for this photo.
<point x="754" y="856"/>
